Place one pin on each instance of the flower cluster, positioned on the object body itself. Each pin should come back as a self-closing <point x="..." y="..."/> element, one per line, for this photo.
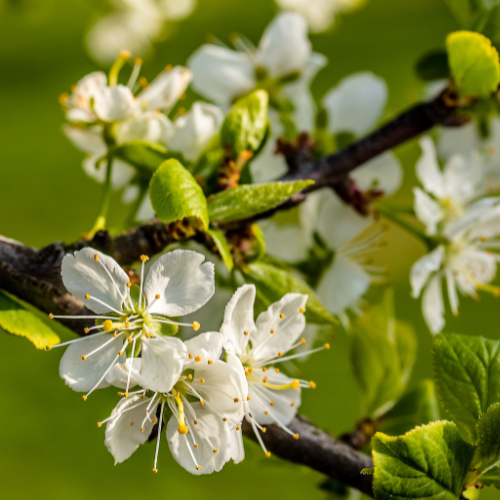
<point x="200" y="389"/>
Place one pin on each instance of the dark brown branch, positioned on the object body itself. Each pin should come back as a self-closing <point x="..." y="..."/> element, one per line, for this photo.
<point x="319" y="451"/>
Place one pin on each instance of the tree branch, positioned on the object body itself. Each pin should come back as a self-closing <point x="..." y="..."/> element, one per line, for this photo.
<point x="319" y="451"/>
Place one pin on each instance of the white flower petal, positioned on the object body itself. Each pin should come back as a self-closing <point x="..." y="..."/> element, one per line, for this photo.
<point x="207" y="346"/>
<point x="150" y="126"/>
<point x="319" y="14"/>
<point x="428" y="211"/>
<point x="114" y="103"/>
<point x="356" y="104"/>
<point x="282" y="410"/>
<point x="162" y="362"/>
<point x="175" y="10"/>
<point x="145" y="211"/>
<point x="238" y="319"/>
<point x="79" y="109"/>
<point x="220" y="74"/>
<point x="210" y="434"/>
<point x="123" y="430"/>
<point x="383" y="173"/>
<point x="288" y="243"/>
<point x="424" y="268"/>
<point x="88" y="140"/>
<point x="166" y="89"/>
<point x="118" y="375"/>
<point x="458" y="140"/>
<point x="275" y="334"/>
<point x="120" y="176"/>
<point x="268" y="165"/>
<point x="428" y="171"/>
<point x="194" y="130"/>
<point x="284" y="47"/>
<point x="236" y="448"/>
<point x="343" y="284"/>
<point x="183" y="282"/>
<point x="432" y="305"/>
<point x="82" y="375"/>
<point x="103" y="279"/>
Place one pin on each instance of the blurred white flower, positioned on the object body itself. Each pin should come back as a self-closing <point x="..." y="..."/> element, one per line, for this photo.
<point x="319" y="14"/>
<point x="133" y="25"/>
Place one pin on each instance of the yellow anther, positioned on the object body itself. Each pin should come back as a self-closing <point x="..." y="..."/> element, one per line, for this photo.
<point x="120" y="352"/>
<point x="236" y="400"/>
<point x="295" y="384"/>
<point x="264" y="380"/>
<point x="182" y="429"/>
<point x="264" y="369"/>
<point x="84" y="357"/>
<point x="157" y="296"/>
<point x="302" y="341"/>
<point x="224" y="419"/>
<point x="143" y="396"/>
<point x="51" y="316"/>
<point x="195" y="445"/>
<point x="84" y="398"/>
<point x="87" y="296"/>
<point x="248" y="397"/>
<point x="272" y="403"/>
<point x="155" y="471"/>
<point x="120" y="394"/>
<point x="202" y="403"/>
<point x="196" y="326"/>
<point x="250" y="370"/>
<point x="245" y="332"/>
<point x="272" y="330"/>
<point x="302" y="310"/>
<point x="125" y="54"/>
<point x="282" y="315"/>
<point x="266" y="412"/>
<point x="312" y="385"/>
<point x="96" y="257"/>
<point x="238" y="428"/>
<point x="129" y="284"/>
<point x="181" y="111"/>
<point x="48" y="347"/>
<point x="99" y="424"/>
<point x="168" y="67"/>
<point x="198" y="467"/>
<point x="129" y="340"/>
<point x="143" y="429"/>
<point x="210" y="362"/>
<point x="148" y="335"/>
<point x="190" y="377"/>
<point x="197" y="359"/>
<point x="107" y="325"/>
<point x="215" y="450"/>
<point x="63" y="98"/>
<point x="292" y="404"/>
<point x="327" y="346"/>
<point x="126" y="394"/>
<point x="144" y="258"/>
<point x="115" y="335"/>
<point x="86" y="330"/>
<point x="154" y="421"/>
<point x="296" y="436"/>
<point x="268" y="454"/>
<point x="127" y="325"/>
<point x="277" y="370"/>
<point x="280" y="354"/>
<point x="264" y="430"/>
<point x="246" y="371"/>
<point x="483" y="238"/>
<point x="138" y="60"/>
<point x="202" y="380"/>
<point x="190" y="356"/>
<point x="195" y="422"/>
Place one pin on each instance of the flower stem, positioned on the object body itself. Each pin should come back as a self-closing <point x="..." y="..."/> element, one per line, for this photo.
<point x="404" y="224"/>
<point x="100" y="222"/>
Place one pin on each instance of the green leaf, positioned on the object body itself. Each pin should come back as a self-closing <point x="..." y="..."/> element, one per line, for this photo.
<point x="467" y="376"/>
<point x="245" y="126"/>
<point x="18" y="321"/>
<point x="145" y="156"/>
<point x="273" y="282"/>
<point x="433" y="65"/>
<point x="474" y="63"/>
<point x="222" y="246"/>
<point x="431" y="461"/>
<point x="176" y="195"/>
<point x="488" y="431"/>
<point x="491" y="478"/>
<point x="417" y="406"/>
<point x="251" y="199"/>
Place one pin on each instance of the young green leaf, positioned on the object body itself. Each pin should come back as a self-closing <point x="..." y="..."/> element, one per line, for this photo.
<point x="145" y="156"/>
<point x="175" y="194"/>
<point x="418" y="406"/>
<point x="487" y="452"/>
<point x="251" y="199"/>
<point x="467" y="376"/>
<point x="433" y="65"/>
<point x="273" y="282"/>
<point x="18" y="321"/>
<point x="406" y="346"/>
<point x="431" y="461"/>
<point x="491" y="478"/>
<point x="245" y="126"/>
<point x="221" y="244"/>
<point x="474" y="63"/>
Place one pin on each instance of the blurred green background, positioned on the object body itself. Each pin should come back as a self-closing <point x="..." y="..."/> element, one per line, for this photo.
<point x="50" y="447"/>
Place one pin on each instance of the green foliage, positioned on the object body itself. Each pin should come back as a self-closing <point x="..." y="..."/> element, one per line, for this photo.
<point x="273" y="282"/>
<point x="382" y="354"/>
<point x="146" y="157"/>
<point x="176" y="195"/>
<point x="248" y="200"/>
<point x="18" y="321"/>
<point x="488" y="431"/>
<point x="474" y="63"/>
<point x="433" y="65"/>
<point x="222" y="246"/>
<point x="467" y="376"/>
<point x="431" y="461"/>
<point x="207" y="165"/>
<point x="491" y="478"/>
<point x="245" y="126"/>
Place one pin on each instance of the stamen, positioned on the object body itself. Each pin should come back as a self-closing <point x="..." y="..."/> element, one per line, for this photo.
<point x="84" y="357"/>
<point x="52" y="316"/>
<point x="158" y="439"/>
<point x="117" y="66"/>
<point x="135" y="73"/>
<point x="49" y="347"/>
<point x="89" y="297"/>
<point x="144" y="258"/>
<point x="183" y="428"/>
<point x="299" y="355"/>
